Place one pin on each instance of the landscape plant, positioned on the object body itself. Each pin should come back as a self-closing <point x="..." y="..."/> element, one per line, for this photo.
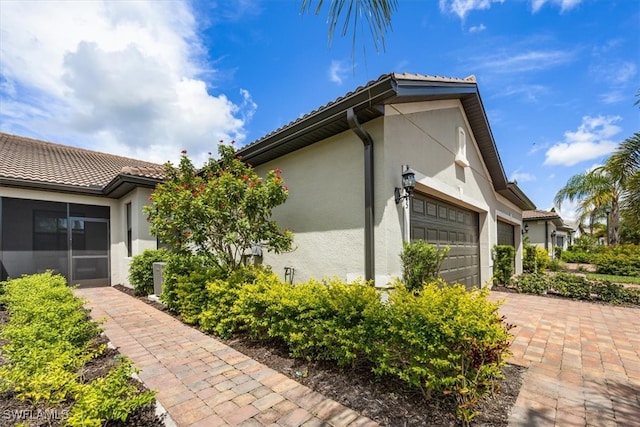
<point x="503" y="263"/>
<point x="443" y="339"/>
<point x="49" y="338"/>
<point x="622" y="260"/>
<point x="576" y="287"/>
<point x="421" y="262"/>
<point x="141" y="270"/>
<point x="219" y="212"/>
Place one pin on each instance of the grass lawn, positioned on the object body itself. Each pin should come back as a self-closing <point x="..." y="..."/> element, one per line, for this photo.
<point x="614" y="279"/>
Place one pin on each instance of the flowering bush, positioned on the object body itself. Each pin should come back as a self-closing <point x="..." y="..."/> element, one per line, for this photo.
<point x="220" y="211"/>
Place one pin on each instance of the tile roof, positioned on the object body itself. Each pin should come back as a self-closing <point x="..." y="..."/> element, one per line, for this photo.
<point x="395" y="76"/>
<point x="537" y="214"/>
<point x="32" y="161"/>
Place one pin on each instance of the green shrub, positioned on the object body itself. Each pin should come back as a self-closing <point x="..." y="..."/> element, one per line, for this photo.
<point x="623" y="260"/>
<point x="421" y="263"/>
<point x="503" y="263"/>
<point x="141" y="270"/>
<point x="529" y="259"/>
<point x="112" y="397"/>
<point x="555" y="265"/>
<point x="531" y="283"/>
<point x="219" y="312"/>
<point x="178" y="266"/>
<point x="570" y="285"/>
<point x="446" y="340"/>
<point x="542" y="259"/>
<point x="586" y="243"/>
<point x="557" y="252"/>
<point x="578" y="257"/>
<point x="576" y="287"/>
<point x="190" y="292"/>
<point x="49" y="339"/>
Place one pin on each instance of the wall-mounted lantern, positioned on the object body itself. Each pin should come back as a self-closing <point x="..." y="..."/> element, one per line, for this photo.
<point x="408" y="184"/>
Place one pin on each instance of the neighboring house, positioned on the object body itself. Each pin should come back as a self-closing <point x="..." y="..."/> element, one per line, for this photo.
<point x="80" y="212"/>
<point x="343" y="162"/>
<point x="74" y="211"/>
<point x="547" y="230"/>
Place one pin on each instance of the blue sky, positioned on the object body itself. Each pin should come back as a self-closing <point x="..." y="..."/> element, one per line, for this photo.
<point x="558" y="78"/>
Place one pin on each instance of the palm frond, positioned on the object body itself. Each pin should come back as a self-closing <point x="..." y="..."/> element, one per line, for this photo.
<point x="377" y="14"/>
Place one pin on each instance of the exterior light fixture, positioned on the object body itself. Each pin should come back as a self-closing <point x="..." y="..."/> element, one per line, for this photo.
<point x="408" y="184"/>
<point x="525" y="230"/>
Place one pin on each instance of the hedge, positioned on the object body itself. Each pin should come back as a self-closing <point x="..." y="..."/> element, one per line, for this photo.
<point x="442" y="339"/>
<point x="49" y="339"/>
<point x="576" y="287"/>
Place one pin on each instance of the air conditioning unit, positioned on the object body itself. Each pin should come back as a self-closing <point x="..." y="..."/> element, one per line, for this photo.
<point x="158" y="279"/>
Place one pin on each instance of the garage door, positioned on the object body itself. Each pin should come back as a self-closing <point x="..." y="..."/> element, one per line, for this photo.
<point x="505" y="234"/>
<point x="443" y="224"/>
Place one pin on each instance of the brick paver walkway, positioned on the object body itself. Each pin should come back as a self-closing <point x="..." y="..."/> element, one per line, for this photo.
<point x="202" y="382"/>
<point x="583" y="359"/>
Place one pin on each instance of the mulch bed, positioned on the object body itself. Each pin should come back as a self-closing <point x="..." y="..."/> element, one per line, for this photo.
<point x="14" y="411"/>
<point x="388" y="401"/>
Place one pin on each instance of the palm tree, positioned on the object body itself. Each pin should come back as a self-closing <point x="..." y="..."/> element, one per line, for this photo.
<point x="624" y="166"/>
<point x="377" y="14"/>
<point x="609" y="191"/>
<point x="598" y="193"/>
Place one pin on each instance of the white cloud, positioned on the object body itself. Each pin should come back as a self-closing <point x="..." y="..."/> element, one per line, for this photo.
<point x="123" y="77"/>
<point x="615" y="72"/>
<point x="338" y="71"/>
<point x="534" y="60"/>
<point x="520" y="177"/>
<point x="613" y="97"/>
<point x="591" y="140"/>
<point x="477" y="28"/>
<point x="528" y="92"/>
<point x="463" y="7"/>
<point x="565" y="5"/>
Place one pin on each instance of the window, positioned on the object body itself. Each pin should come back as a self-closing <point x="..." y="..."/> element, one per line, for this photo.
<point x="129" y="237"/>
<point x="461" y="155"/>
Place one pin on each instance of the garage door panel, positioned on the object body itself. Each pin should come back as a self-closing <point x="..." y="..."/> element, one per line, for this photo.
<point x="443" y="224"/>
<point x="506" y="234"/>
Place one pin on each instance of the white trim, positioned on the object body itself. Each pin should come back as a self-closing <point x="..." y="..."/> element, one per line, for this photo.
<point x="505" y="217"/>
<point x="446" y="192"/>
<point x="461" y="155"/>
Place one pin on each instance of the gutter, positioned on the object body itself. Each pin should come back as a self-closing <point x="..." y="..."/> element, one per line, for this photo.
<point x="369" y="249"/>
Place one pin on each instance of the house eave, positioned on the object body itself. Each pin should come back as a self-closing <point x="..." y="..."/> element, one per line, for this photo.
<point x="123" y="184"/>
<point x="51" y="186"/>
<point x="368" y="103"/>
<point x="118" y="187"/>
<point x="514" y="194"/>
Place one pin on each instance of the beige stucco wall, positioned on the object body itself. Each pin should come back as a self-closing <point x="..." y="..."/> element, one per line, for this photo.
<point x="425" y="136"/>
<point x="119" y="263"/>
<point x="536" y="235"/>
<point x="325" y="208"/>
<point x="141" y="238"/>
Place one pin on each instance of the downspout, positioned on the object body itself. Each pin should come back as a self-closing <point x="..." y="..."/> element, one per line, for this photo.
<point x="369" y="249"/>
<point x="546" y="236"/>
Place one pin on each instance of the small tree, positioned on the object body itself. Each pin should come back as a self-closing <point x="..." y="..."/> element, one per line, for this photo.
<point x="219" y="212"/>
<point x="421" y="263"/>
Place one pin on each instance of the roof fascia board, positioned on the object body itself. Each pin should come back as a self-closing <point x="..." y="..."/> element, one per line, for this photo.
<point x="366" y="97"/>
<point x="42" y="185"/>
<point x="114" y="188"/>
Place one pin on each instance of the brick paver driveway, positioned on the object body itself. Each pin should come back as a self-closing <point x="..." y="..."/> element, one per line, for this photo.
<point x="583" y="359"/>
